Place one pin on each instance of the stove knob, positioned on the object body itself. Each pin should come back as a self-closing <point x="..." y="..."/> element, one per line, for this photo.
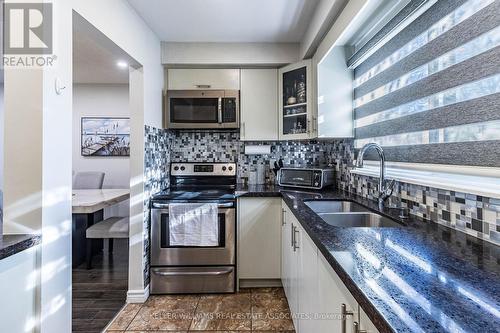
<point x="230" y="168"/>
<point x="224" y="168"/>
<point x="176" y="168"/>
<point x="183" y="168"/>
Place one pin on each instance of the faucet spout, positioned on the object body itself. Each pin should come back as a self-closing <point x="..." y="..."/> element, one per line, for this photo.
<point x="385" y="191"/>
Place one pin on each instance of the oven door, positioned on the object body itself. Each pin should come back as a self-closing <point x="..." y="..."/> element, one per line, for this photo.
<point x="163" y="254"/>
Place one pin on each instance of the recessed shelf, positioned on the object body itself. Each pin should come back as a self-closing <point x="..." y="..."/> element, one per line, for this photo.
<point x="294" y="105"/>
<point x="295" y="115"/>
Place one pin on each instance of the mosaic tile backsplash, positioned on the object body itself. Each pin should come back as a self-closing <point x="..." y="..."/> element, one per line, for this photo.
<point x="156" y="157"/>
<point x="474" y="215"/>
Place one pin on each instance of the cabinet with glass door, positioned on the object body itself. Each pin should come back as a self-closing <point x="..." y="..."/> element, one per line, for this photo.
<point x="295" y="102"/>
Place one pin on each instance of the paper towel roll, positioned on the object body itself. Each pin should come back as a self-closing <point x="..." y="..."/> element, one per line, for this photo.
<point x="257" y="150"/>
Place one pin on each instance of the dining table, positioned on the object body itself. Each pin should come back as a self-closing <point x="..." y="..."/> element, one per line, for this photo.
<point x="87" y="209"/>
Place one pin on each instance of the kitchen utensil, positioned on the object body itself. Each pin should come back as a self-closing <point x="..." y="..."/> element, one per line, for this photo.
<point x="261" y="174"/>
<point x="291" y="100"/>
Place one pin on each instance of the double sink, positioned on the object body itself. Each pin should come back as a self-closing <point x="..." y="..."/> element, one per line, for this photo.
<point x="349" y="214"/>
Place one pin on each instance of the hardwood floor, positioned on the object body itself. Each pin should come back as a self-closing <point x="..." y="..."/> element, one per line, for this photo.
<point x="100" y="293"/>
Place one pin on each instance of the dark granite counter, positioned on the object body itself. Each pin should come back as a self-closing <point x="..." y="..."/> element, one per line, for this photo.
<point x="12" y="244"/>
<point x="420" y="277"/>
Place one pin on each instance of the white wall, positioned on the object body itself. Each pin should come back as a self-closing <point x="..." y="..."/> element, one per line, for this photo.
<point x="1" y="151"/>
<point x="102" y="100"/>
<point x="127" y="30"/>
<point x="39" y="179"/>
<point x="325" y="13"/>
<point x="228" y="54"/>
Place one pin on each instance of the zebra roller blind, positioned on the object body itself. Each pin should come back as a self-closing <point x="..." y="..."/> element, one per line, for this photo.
<point x="431" y="94"/>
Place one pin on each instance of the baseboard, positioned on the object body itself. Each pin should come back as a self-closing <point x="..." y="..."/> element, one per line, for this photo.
<point x="259" y="283"/>
<point x="138" y="296"/>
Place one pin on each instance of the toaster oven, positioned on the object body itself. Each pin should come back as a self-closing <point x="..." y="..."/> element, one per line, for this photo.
<point x="312" y="178"/>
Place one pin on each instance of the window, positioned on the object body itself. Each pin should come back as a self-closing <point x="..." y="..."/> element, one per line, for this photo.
<point x="431" y="94"/>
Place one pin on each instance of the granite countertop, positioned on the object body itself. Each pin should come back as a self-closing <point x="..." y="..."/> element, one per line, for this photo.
<point x="420" y="277"/>
<point x="13" y="244"/>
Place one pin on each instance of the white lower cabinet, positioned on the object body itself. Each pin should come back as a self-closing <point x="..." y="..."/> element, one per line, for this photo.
<point x="307" y="282"/>
<point x="331" y="298"/>
<point x="365" y="324"/>
<point x="259" y="239"/>
<point x="318" y="299"/>
<point x="20" y="295"/>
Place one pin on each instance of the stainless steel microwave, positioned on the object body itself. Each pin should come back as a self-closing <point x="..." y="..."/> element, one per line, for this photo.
<point x="314" y="178"/>
<point x="203" y="109"/>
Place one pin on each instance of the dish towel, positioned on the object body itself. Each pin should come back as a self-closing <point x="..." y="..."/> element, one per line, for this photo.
<point x="193" y="224"/>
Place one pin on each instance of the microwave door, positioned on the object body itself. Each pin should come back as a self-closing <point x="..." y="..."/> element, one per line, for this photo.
<point x="194" y="109"/>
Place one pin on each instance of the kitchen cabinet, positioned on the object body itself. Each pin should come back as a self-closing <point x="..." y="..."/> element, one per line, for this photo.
<point x="312" y="287"/>
<point x="334" y="96"/>
<point x="20" y="295"/>
<point x="203" y="78"/>
<point x="258" y="105"/>
<point x="307" y="281"/>
<point x="296" y="101"/>
<point x="365" y="324"/>
<point x="259" y="240"/>
<point x="299" y="272"/>
<point x="289" y="257"/>
<point x="286" y="252"/>
<point x="333" y="294"/>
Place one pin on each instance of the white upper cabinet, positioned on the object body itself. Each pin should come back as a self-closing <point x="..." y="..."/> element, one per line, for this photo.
<point x="258" y="104"/>
<point x="204" y="79"/>
<point x="296" y="101"/>
<point x="334" y="96"/>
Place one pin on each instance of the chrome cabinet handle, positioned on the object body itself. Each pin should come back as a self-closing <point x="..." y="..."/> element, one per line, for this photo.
<point x="203" y="86"/>
<point x="243" y="130"/>
<point x="309" y="126"/>
<point x="292" y="237"/>
<point x="295" y="231"/>
<point x="283" y="220"/>
<point x="344" y="313"/>
<point x="355" y="327"/>
<point x="220" y="110"/>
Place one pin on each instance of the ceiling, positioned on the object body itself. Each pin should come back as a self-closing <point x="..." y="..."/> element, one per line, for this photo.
<point x="227" y="20"/>
<point x="95" y="56"/>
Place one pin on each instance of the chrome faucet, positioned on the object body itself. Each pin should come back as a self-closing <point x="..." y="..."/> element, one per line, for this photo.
<point x="385" y="191"/>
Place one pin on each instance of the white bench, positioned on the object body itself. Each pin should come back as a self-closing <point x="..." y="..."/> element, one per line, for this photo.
<point x="110" y="228"/>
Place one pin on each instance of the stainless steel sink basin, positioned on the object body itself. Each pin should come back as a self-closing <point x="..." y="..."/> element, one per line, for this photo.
<point x="358" y="220"/>
<point x="325" y="206"/>
<point x="349" y="214"/>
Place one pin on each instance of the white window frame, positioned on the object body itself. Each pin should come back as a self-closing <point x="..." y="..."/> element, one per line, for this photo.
<point x="483" y="181"/>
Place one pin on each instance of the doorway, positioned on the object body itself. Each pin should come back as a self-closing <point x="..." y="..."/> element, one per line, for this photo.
<point x="101" y="177"/>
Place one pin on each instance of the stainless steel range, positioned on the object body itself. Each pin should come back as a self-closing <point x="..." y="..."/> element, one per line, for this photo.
<point x="195" y="268"/>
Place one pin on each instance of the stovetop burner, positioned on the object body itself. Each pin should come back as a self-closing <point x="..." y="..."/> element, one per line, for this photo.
<point x="191" y="182"/>
<point x="195" y="194"/>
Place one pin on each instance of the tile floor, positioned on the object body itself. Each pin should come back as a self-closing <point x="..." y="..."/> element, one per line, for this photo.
<point x="251" y="310"/>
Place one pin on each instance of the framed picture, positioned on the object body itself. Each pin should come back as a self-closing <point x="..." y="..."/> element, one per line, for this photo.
<point x="105" y="136"/>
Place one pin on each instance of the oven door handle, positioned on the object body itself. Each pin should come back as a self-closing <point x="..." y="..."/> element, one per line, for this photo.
<point x="221" y="205"/>
<point x="192" y="273"/>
